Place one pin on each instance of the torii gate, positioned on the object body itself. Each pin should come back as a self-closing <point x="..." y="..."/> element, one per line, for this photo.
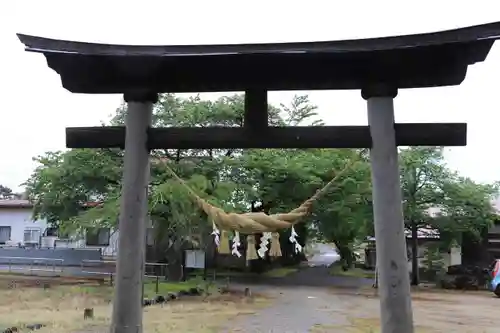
<point x="378" y="67"/>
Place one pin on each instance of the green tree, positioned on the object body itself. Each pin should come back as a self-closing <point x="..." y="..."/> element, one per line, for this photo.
<point x="422" y="176"/>
<point x="6" y="192"/>
<point x="280" y="180"/>
<point x="435" y="197"/>
<point x="64" y="182"/>
<point x="345" y="216"/>
<point x="466" y="208"/>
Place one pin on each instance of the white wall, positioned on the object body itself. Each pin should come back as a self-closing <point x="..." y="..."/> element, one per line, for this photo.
<point x="453" y="257"/>
<point x="19" y="219"/>
<point x="112" y="249"/>
<point x="109" y="251"/>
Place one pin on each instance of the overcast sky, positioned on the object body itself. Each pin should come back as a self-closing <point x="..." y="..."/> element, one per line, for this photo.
<point x="35" y="109"/>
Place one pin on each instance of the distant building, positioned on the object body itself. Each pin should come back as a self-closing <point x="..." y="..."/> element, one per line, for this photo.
<point x="426" y="238"/>
<point x="470" y="252"/>
<point x="17" y="228"/>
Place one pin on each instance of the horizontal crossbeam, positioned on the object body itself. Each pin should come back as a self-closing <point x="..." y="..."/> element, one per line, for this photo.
<point x="444" y="134"/>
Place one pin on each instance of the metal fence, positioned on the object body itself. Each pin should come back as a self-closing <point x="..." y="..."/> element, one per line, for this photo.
<point x="107" y="269"/>
<point x="96" y="269"/>
<point x="30" y="265"/>
<point x="71" y="256"/>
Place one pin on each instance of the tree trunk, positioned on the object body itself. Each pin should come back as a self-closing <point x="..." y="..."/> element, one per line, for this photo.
<point x="174" y="269"/>
<point x="414" y="254"/>
<point x="346" y="256"/>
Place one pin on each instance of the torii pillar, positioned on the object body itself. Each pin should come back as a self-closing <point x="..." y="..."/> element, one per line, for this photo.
<point x="127" y="310"/>
<point x="394" y="287"/>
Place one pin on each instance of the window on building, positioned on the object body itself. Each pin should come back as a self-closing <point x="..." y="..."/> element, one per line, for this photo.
<point x="51" y="231"/>
<point x="97" y="237"/>
<point x="32" y="235"/>
<point x="4" y="234"/>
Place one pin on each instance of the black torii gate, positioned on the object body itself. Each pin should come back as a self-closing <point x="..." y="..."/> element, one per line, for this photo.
<point x="378" y="67"/>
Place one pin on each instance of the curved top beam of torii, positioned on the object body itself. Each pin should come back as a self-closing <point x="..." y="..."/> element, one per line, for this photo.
<point x="411" y="61"/>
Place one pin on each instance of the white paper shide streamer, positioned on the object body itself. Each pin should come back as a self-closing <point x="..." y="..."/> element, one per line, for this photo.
<point x="216" y="234"/>
<point x="236" y="245"/>
<point x="264" y="241"/>
<point x="293" y="240"/>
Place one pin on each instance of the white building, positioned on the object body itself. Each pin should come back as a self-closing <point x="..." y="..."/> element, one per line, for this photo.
<point x="18" y="227"/>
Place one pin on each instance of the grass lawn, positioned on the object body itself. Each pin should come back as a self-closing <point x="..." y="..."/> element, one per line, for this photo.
<point x="278" y="272"/>
<point x="59" y="306"/>
<point x="165" y="287"/>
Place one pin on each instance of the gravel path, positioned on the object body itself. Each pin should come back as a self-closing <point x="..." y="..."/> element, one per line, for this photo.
<point x="301" y="302"/>
<point x="312" y="301"/>
<point x="297" y="310"/>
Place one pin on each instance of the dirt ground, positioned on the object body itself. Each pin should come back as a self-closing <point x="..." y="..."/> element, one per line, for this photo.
<point x="434" y="311"/>
<point x="320" y="310"/>
<point x="58" y="305"/>
<point x="307" y="302"/>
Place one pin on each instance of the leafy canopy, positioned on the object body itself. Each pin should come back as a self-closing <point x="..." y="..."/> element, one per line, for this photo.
<point x="277" y="180"/>
<point x="65" y="182"/>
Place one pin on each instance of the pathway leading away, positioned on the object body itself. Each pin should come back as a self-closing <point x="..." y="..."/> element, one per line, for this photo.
<point x="314" y="301"/>
<point x="295" y="311"/>
<point x="302" y="301"/>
